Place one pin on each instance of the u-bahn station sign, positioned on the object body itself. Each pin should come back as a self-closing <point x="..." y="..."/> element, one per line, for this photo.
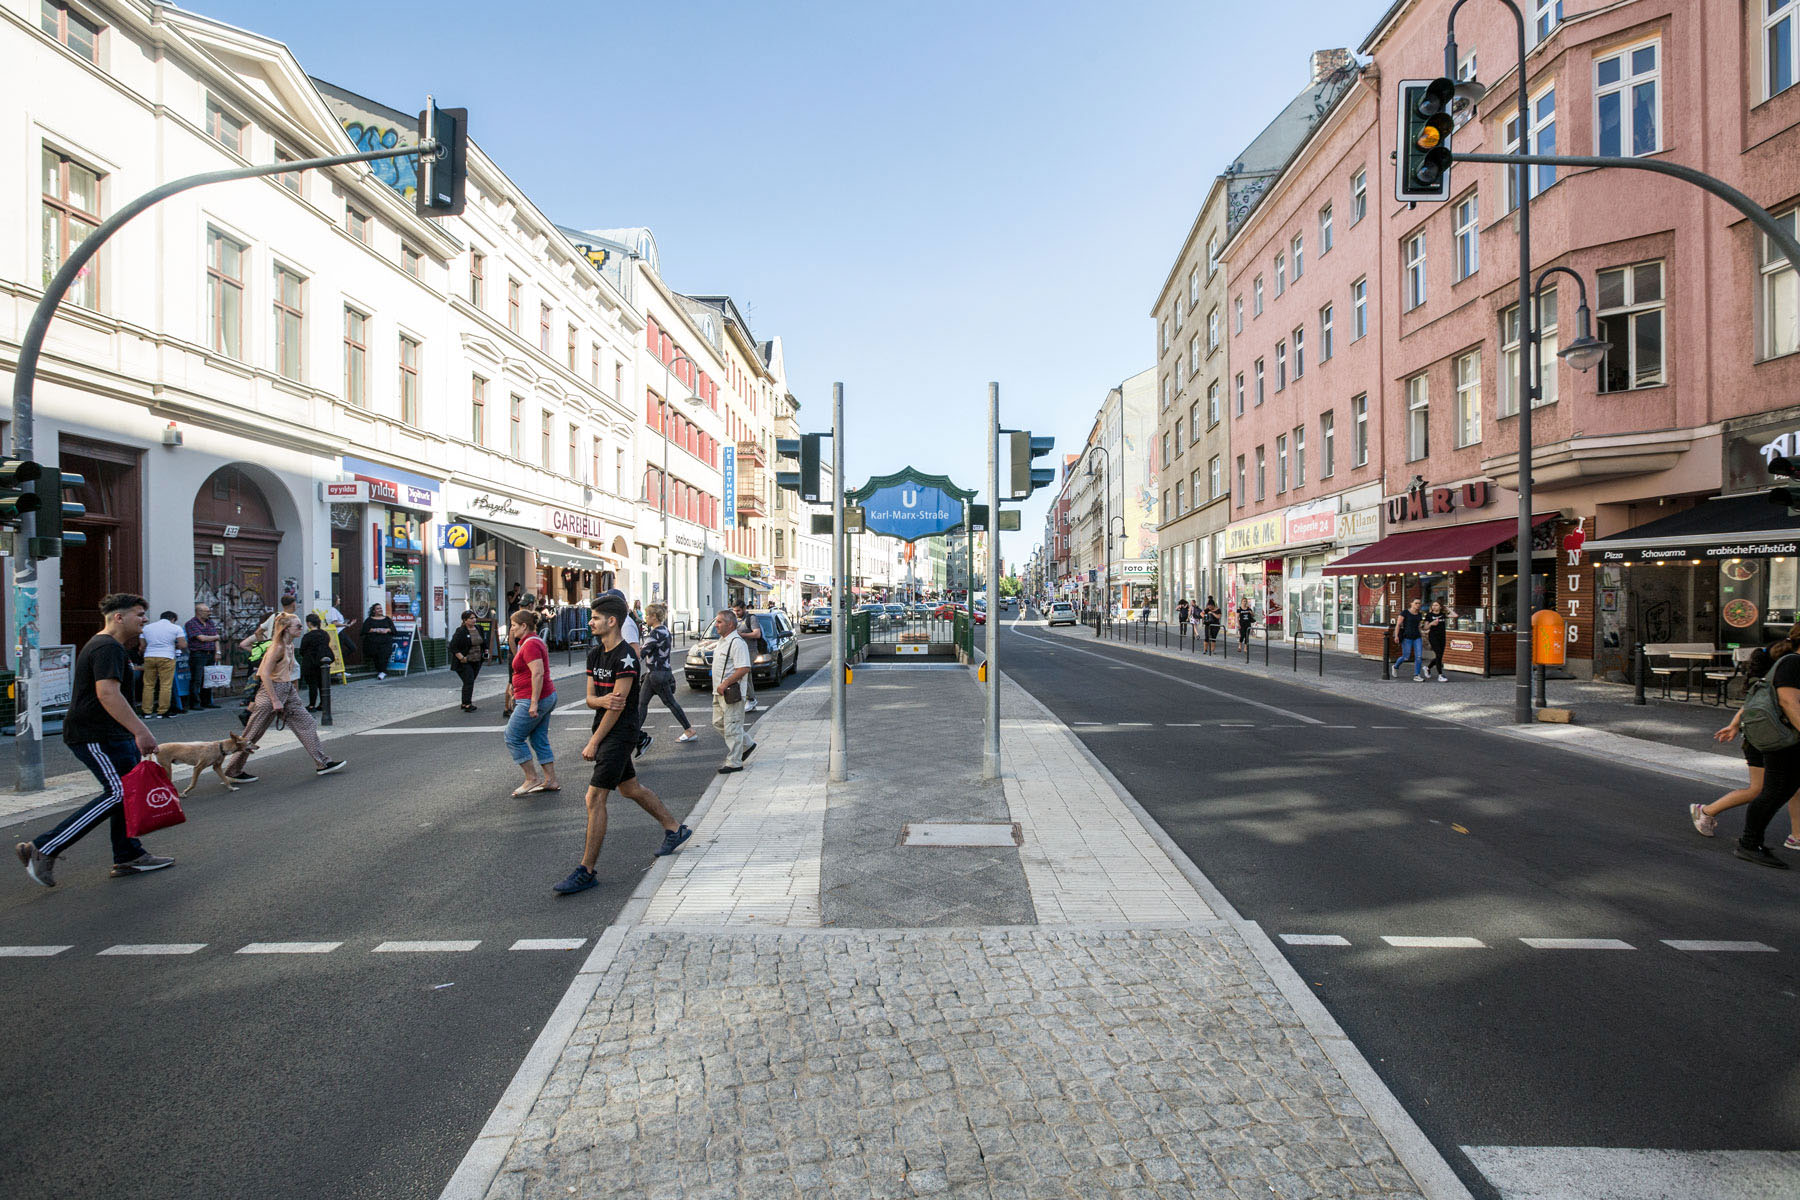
<point x="910" y="505"/>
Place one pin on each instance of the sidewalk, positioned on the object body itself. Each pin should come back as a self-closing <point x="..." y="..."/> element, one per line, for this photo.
<point x="799" y="1006"/>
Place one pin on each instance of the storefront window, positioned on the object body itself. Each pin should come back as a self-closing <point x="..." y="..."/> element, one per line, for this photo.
<point x="1759" y="599"/>
<point x="1506" y="596"/>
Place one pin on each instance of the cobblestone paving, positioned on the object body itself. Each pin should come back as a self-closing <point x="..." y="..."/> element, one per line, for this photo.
<point x="1009" y="1064"/>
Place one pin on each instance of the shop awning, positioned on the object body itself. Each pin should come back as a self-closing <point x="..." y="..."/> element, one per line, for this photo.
<point x="1739" y="527"/>
<point x="549" y="550"/>
<point x="749" y="585"/>
<point x="1449" y="548"/>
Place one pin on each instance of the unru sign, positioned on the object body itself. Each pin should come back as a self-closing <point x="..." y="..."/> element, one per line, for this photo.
<point x="1420" y="503"/>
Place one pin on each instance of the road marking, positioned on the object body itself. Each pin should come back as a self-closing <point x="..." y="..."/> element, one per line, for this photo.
<point x="290" y="947"/>
<point x="1061" y="645"/>
<point x="1136" y="724"/>
<point x="156" y="948"/>
<point x="1577" y="944"/>
<point x="423" y="947"/>
<point x="1314" y="939"/>
<point x="1187" y="725"/>
<point x="1237" y="724"/>
<point x="548" y="944"/>
<point x="1606" y="1173"/>
<point x="32" y="951"/>
<point x="493" y="729"/>
<point x="1338" y="727"/>
<point x="1722" y="947"/>
<point x="1435" y="943"/>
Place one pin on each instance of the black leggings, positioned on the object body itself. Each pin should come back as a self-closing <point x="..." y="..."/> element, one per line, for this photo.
<point x="1437" y="654"/>
<point x="662" y="685"/>
<point x="1781" y="779"/>
<point x="467" y="673"/>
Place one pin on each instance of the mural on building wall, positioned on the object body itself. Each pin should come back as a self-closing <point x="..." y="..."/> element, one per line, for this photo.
<point x="401" y="174"/>
<point x="1141" y="499"/>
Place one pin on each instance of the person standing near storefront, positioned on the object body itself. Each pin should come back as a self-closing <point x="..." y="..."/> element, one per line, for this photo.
<point x="1181" y="615"/>
<point x="163" y="640"/>
<point x="468" y="650"/>
<point x="1437" y="629"/>
<point x="203" y="646"/>
<point x="1246" y="618"/>
<point x="1408" y="630"/>
<point x="315" y="659"/>
<point x="378" y="633"/>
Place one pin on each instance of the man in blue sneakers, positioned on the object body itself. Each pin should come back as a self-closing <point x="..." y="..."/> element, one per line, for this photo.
<point x="612" y="683"/>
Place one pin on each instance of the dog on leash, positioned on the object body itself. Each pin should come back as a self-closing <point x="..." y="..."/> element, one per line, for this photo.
<point x="202" y="756"/>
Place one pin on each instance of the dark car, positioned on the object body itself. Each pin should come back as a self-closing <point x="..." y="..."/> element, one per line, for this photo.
<point x="896" y="614"/>
<point x="779" y="654"/>
<point x="815" y="620"/>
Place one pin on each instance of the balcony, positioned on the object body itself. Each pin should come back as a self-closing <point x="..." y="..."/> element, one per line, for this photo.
<point x="749" y="504"/>
<point x="750" y="454"/>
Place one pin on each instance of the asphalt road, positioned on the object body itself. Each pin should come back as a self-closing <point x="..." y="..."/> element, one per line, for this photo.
<point x="1326" y="818"/>
<point x="343" y="1073"/>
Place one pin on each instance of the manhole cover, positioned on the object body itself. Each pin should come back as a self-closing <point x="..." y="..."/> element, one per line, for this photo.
<point x="951" y="833"/>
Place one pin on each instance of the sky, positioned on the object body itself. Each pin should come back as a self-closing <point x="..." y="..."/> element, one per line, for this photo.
<point x="917" y="198"/>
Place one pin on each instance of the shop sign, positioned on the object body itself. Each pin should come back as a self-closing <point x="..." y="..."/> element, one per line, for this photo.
<point x="1681" y="554"/>
<point x="380" y="490"/>
<point x="1360" y="526"/>
<point x="455" y="536"/>
<point x="490" y="505"/>
<point x="1311" y="522"/>
<point x="418" y="497"/>
<point x="1421" y="501"/>
<point x="681" y="539"/>
<point x="728" y="469"/>
<point x="1134" y="568"/>
<point x="567" y="522"/>
<point x="1462" y="644"/>
<point x="1258" y="533"/>
<point x="344" y="492"/>
<point x="1750" y="449"/>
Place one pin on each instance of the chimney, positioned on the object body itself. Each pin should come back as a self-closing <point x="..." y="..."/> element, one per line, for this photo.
<point x="1324" y="62"/>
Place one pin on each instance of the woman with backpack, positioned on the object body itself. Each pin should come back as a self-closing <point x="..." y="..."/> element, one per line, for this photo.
<point x="1763" y="692"/>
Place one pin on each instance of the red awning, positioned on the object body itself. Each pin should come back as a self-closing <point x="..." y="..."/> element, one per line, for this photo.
<point x="1449" y="548"/>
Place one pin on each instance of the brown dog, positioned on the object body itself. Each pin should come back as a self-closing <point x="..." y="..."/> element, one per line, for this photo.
<point x="200" y="756"/>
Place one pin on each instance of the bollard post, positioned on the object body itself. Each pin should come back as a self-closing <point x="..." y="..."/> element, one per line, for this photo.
<point x="1321" y="656"/>
<point x="1387" y="670"/>
<point x="1265" y="643"/>
<point x="1543" y="686"/>
<point x="1640" y="661"/>
<point x="1296" y="656"/>
<point x="325" y="697"/>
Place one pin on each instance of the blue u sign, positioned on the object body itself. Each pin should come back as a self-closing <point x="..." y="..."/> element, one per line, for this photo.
<point x="910" y="511"/>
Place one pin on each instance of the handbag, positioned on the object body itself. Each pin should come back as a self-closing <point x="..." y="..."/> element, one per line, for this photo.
<point x="150" y="799"/>
<point x="733" y="693"/>
<point x="216" y="675"/>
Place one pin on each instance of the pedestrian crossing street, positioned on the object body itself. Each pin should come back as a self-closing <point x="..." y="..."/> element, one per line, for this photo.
<point x="177" y="949"/>
<point x="1460" y="942"/>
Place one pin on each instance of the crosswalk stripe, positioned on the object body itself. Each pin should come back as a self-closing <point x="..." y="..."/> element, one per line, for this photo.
<point x="148" y="948"/>
<point x="1314" y="939"/>
<point x="1577" y="944"/>
<point x="32" y="951"/>
<point x="1721" y="947"/>
<point x="423" y="947"/>
<point x="1434" y="943"/>
<point x="290" y="948"/>
<point x="548" y="944"/>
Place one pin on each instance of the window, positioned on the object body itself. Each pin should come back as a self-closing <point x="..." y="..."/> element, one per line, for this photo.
<point x="1193" y="418"/>
<point x="1256" y="297"/>
<point x="1240" y="393"/>
<point x="1468" y="236"/>
<point x="1546" y="15"/>
<point x="594" y="363"/>
<point x="1212" y="330"/>
<point x="1627" y="102"/>
<point x="1280" y="274"/>
<point x="225" y="293"/>
<point x="544" y="328"/>
<point x="1327" y="336"/>
<point x="478" y="410"/>
<point x="1281" y="463"/>
<point x="224" y="128"/>
<point x="1327" y="444"/>
<point x="1212" y="407"/>
<point x="1194" y="355"/>
<point x="1359" y="196"/>
<point x="1418" y="418"/>
<point x="1178" y="438"/>
<point x="571" y="349"/>
<point x="1280" y="365"/>
<point x="1546" y="367"/>
<point x="1165" y="449"/>
<point x="1212" y="477"/>
<point x="1299" y="456"/>
<point x="1325" y="241"/>
<point x="1359" y="310"/>
<point x="1543" y="141"/>
<point x="288" y="179"/>
<point x="356" y="358"/>
<point x="411" y="261"/>
<point x="1261" y="465"/>
<point x="409" y="380"/>
<point x="1414" y="279"/>
<point x="1299" y="249"/>
<point x="71" y="213"/>
<point x="1212" y="258"/>
<point x="1165" y="394"/>
<point x="1237" y="315"/>
<point x="290" y="322"/>
<point x="1165" y="335"/>
<point x="1468" y="398"/>
<point x="1177" y="313"/>
<point x="1241" y="491"/>
<point x="1194" y="287"/>
<point x="1780" y="67"/>
<point x="544" y="418"/>
<point x="1631" y="322"/>
<point x="515" y="439"/>
<point x="358" y="225"/>
<point x="513" y="315"/>
<point x="574" y="453"/>
<point x="477" y="278"/>
<point x="1299" y="352"/>
<point x="71" y="29"/>
<point x="1359" y="432"/>
<point x="1178" y="504"/>
<point x="1780" y="308"/>
<point x="1259" y="382"/>
<point x="594" y="462"/>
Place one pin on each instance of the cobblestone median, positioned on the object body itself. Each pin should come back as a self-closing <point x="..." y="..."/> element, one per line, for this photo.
<point x="1006" y="1063"/>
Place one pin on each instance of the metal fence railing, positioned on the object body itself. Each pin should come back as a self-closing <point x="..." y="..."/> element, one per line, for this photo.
<point x="857" y="635"/>
<point x="909" y="628"/>
<point x="1192" y="638"/>
<point x="964" y="634"/>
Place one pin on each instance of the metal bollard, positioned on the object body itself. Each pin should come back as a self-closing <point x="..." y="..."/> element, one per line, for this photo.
<point x="325" y="697"/>
<point x="1642" y="662"/>
<point x="1265" y="643"/>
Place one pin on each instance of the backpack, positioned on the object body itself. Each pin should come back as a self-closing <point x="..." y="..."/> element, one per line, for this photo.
<point x="1765" y="727"/>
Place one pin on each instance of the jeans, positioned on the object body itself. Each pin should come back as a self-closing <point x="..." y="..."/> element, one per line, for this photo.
<point x="1415" y="647"/>
<point x="198" y="694"/>
<point x="522" y="727"/>
<point x="467" y="673"/>
<point x="1781" y="779"/>
<point x="159" y="685"/>
<point x="662" y="684"/>
<point x="109" y="761"/>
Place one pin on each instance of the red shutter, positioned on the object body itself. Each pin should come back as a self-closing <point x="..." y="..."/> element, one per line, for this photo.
<point x="652" y="336"/>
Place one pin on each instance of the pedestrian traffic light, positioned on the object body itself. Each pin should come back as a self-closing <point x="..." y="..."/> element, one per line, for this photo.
<point x="52" y="510"/>
<point x="1422" y="159"/>
<point x="805" y="481"/>
<point x="18" y="477"/>
<point x="443" y="177"/>
<point x="1787" y="468"/>
<point x="1026" y="478"/>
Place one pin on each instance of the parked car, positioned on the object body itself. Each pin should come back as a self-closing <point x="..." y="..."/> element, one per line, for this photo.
<point x="816" y="620"/>
<point x="779" y="656"/>
<point x="1061" y="613"/>
<point x="896" y="614"/>
<point x="946" y="611"/>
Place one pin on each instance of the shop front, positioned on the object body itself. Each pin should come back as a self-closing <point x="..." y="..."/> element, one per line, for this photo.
<point x="1356" y="528"/>
<point x="1248" y="551"/>
<point x="1307" y="532"/>
<point x="391" y="566"/>
<point x="743" y="585"/>
<point x="1134" y="586"/>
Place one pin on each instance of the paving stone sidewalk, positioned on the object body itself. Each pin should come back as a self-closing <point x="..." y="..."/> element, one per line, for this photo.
<point x="1124" y="1041"/>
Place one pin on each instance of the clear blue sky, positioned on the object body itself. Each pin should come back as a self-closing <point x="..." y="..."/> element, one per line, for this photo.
<point x="918" y="198"/>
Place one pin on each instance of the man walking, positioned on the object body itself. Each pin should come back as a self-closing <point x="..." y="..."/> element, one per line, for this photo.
<point x="751" y="632"/>
<point x="163" y="640"/>
<point x="730" y="669"/>
<point x="108" y="738"/>
<point x="612" y="681"/>
<point x="1408" y="631"/>
<point x="202" y="645"/>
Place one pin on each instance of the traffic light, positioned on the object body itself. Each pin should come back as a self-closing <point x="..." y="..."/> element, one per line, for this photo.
<point x="18" y="478"/>
<point x="805" y="481"/>
<point x="1422" y="160"/>
<point x="1787" y="468"/>
<point x="52" y="510"/>
<point x="1026" y="478"/>
<point x="443" y="177"/>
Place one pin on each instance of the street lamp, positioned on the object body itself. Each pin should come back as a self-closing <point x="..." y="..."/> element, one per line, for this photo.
<point x="662" y="487"/>
<point x="1106" y="582"/>
<point x="1586" y="351"/>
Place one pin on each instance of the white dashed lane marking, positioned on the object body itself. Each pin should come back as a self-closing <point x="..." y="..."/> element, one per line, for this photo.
<point x="1406" y="942"/>
<point x="1411" y="942"/>
<point x="425" y="947"/>
<point x="1719" y="947"/>
<point x="290" y="948"/>
<point x="32" y="951"/>
<point x="548" y="944"/>
<point x="1314" y="939"/>
<point x="151" y="948"/>
<point x="1577" y="944"/>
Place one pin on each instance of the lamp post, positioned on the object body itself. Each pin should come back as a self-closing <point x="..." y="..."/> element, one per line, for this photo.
<point x="662" y="487"/>
<point x="1106" y="580"/>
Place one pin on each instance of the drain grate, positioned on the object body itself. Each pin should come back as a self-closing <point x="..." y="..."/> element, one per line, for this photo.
<point x="955" y="833"/>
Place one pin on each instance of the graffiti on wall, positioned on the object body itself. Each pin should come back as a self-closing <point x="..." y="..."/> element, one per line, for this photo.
<point x="401" y="174"/>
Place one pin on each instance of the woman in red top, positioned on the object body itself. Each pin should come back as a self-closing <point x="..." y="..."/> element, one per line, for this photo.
<point x="530" y="699"/>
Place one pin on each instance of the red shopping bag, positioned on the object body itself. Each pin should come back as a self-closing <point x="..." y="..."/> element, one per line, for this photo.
<point x="150" y="800"/>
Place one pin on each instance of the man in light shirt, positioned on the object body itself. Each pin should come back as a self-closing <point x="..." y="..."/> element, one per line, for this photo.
<point x="163" y="639"/>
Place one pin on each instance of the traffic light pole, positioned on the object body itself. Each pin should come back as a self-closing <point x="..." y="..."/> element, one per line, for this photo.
<point x="28" y="705"/>
<point x="990" y="746"/>
<point x="840" y="590"/>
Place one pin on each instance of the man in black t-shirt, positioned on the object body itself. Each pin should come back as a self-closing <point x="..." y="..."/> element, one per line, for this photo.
<point x="108" y="738"/>
<point x="612" y="680"/>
